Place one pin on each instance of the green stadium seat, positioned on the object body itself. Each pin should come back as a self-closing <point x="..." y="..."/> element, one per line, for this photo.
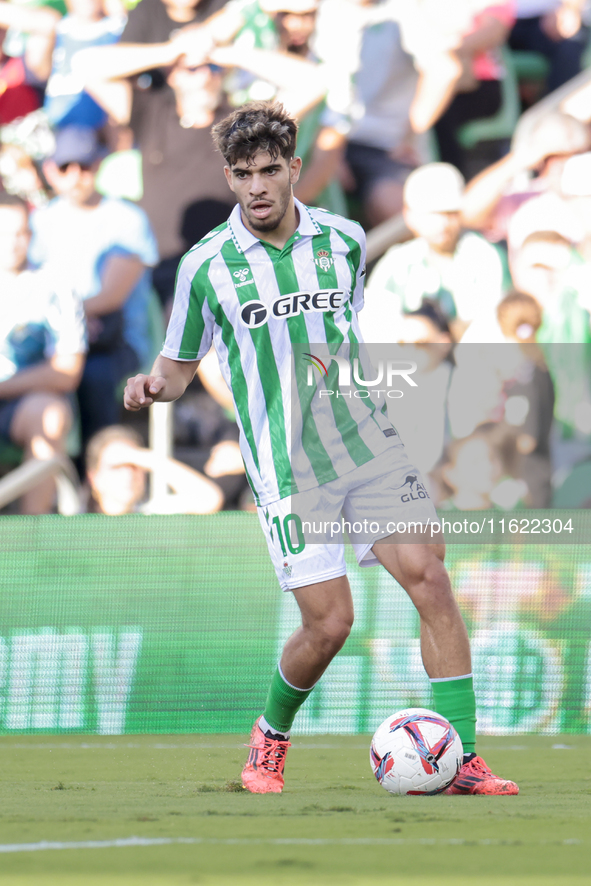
<point x="529" y="65"/>
<point x="10" y="456"/>
<point x="502" y="124"/>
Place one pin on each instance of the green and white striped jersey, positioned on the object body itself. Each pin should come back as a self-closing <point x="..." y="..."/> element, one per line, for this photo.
<point x="267" y="310"/>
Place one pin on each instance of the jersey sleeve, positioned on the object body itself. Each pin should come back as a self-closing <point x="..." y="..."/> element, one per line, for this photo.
<point x="190" y="330"/>
<point x="359" y="263"/>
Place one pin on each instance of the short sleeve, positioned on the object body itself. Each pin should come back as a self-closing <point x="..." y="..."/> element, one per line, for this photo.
<point x="190" y="331"/>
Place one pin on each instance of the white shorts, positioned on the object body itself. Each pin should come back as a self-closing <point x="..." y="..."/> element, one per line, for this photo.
<point x="305" y="532"/>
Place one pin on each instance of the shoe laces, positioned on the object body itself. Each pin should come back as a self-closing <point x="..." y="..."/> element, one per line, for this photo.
<point x="478" y="767"/>
<point x="272" y="754"/>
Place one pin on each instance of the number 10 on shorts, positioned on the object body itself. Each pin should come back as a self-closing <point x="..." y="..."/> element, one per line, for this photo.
<point x="291" y="526"/>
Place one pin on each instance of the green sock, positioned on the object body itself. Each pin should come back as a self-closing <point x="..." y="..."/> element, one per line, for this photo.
<point x="454" y="699"/>
<point x="283" y="702"/>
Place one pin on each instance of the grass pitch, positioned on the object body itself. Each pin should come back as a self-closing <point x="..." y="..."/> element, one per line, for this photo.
<point x="169" y="811"/>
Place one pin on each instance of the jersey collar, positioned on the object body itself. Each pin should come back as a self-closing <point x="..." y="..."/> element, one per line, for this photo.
<point x="243" y="239"/>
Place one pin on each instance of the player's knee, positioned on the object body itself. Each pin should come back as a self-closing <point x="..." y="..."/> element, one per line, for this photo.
<point x="332" y="633"/>
<point x="428" y="569"/>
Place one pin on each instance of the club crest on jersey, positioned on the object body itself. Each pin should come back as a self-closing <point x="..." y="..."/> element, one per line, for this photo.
<point x="324" y="260"/>
<point x="255" y="313"/>
<point x="242" y="275"/>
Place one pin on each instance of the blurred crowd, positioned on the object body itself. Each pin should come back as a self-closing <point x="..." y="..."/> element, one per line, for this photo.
<point x="405" y="107"/>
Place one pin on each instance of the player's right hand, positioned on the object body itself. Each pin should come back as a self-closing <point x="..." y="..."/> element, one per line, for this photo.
<point x="142" y="390"/>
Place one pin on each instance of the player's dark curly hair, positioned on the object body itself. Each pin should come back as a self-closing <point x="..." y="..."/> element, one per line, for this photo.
<point x="254" y="127"/>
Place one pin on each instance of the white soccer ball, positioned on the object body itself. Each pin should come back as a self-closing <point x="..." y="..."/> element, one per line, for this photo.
<point x="416" y="751"/>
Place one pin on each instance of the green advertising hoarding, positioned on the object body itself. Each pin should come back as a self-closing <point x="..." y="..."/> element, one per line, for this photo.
<point x="174" y="624"/>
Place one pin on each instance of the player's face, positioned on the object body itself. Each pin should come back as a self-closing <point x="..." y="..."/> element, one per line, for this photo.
<point x="14" y="238"/>
<point x="263" y="186"/>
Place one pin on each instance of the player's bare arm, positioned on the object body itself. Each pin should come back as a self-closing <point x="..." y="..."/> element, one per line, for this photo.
<point x="167" y="381"/>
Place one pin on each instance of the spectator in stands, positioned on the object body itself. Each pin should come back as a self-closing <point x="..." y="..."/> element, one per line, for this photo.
<point x="299" y="28"/>
<point x="206" y="434"/>
<point x="576" y="190"/>
<point x="116" y="468"/>
<point x="458" y="270"/>
<point x="529" y="396"/>
<point x="102" y="248"/>
<point x="457" y="56"/>
<point x="27" y="36"/>
<point x="479" y="471"/>
<point x="86" y="24"/>
<point x="534" y="166"/>
<point x="52" y="42"/>
<point x="556" y="30"/>
<point x="24" y="144"/>
<point x="519" y="316"/>
<point x="509" y="382"/>
<point x="478" y="92"/>
<point x="545" y="265"/>
<point x="382" y="148"/>
<point x="171" y="107"/>
<point x="41" y="352"/>
<point x="405" y="77"/>
<point x="172" y="158"/>
<point x="421" y="415"/>
<point x="17" y="97"/>
<point x="548" y="268"/>
<point x="419" y="60"/>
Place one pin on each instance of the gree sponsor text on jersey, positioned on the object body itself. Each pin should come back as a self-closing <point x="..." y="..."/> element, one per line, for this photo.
<point x="255" y="313"/>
